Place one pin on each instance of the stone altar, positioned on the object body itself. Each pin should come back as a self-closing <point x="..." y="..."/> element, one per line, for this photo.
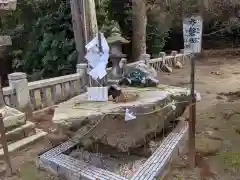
<point x="104" y="123"/>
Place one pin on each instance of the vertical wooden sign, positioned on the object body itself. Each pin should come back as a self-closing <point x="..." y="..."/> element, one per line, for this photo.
<point x="192" y="33"/>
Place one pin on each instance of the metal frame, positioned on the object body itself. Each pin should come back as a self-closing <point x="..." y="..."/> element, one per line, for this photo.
<point x="65" y="166"/>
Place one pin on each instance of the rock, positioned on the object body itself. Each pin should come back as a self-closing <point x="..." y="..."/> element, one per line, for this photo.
<point x="166" y="68"/>
<point x="178" y="65"/>
<point x="207" y="146"/>
<point x="106" y="121"/>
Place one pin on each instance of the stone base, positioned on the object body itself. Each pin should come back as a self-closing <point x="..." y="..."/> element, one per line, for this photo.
<point x="59" y="163"/>
<point x="103" y="122"/>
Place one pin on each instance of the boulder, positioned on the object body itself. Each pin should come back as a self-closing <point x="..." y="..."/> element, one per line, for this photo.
<point x="104" y="122"/>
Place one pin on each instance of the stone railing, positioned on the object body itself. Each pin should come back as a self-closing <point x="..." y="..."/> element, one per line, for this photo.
<point x="157" y="63"/>
<point x="44" y="93"/>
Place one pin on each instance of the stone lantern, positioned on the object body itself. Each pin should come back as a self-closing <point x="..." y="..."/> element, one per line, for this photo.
<point x="116" y="55"/>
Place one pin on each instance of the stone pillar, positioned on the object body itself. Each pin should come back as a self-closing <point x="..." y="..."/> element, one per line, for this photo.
<point x="162" y="54"/>
<point x="183" y="56"/>
<point x="174" y="53"/>
<point x="82" y="69"/>
<point x="18" y="82"/>
<point x="123" y="65"/>
<point x="146" y="58"/>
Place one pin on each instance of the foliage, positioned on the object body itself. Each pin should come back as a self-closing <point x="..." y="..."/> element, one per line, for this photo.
<point x="157" y="32"/>
<point x="43" y="39"/>
<point x="156" y="38"/>
<point x="105" y="23"/>
<point x="45" y="28"/>
<point x="51" y="47"/>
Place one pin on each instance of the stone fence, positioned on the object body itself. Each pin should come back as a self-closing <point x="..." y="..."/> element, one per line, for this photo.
<point x="25" y="96"/>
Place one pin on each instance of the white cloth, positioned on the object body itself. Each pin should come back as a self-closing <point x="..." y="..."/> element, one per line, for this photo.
<point x="96" y="59"/>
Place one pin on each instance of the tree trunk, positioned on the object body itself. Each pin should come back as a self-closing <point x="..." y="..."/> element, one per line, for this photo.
<point x="78" y="28"/>
<point x="139" y="25"/>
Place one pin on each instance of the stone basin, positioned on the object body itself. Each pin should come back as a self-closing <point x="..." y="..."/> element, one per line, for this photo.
<point x="104" y="122"/>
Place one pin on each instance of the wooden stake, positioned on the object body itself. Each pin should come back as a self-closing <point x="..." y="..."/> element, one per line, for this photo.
<point x="5" y="145"/>
<point x="192" y="117"/>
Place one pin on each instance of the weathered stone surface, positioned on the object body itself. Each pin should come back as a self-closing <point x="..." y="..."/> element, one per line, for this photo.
<point x="104" y="122"/>
<point x="12" y="118"/>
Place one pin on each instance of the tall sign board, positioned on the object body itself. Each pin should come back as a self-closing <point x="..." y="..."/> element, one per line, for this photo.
<point x="192" y="34"/>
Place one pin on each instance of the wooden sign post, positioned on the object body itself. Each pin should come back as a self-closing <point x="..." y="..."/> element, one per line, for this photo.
<point x="5" y="6"/>
<point x="3" y="135"/>
<point x="192" y="33"/>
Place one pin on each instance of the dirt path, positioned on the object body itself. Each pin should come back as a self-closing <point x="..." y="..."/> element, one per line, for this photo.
<point x="218" y="118"/>
<point x="217" y="123"/>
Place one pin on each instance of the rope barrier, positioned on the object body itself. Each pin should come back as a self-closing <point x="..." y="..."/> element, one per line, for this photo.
<point x="139" y="114"/>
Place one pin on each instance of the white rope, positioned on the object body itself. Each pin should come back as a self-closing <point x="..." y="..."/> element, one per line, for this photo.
<point x="173" y="103"/>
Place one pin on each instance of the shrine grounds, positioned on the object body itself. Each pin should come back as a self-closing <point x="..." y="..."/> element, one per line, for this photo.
<point x="218" y="124"/>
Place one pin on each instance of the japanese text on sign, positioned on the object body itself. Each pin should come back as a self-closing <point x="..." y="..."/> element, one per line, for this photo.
<point x="192" y="33"/>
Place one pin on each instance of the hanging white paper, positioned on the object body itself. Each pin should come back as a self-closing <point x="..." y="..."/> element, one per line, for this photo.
<point x="99" y="72"/>
<point x="96" y="59"/>
<point x="198" y="96"/>
<point x="129" y="115"/>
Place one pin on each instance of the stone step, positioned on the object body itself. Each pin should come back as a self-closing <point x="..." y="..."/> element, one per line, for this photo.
<point x="21" y="132"/>
<point x="24" y="142"/>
